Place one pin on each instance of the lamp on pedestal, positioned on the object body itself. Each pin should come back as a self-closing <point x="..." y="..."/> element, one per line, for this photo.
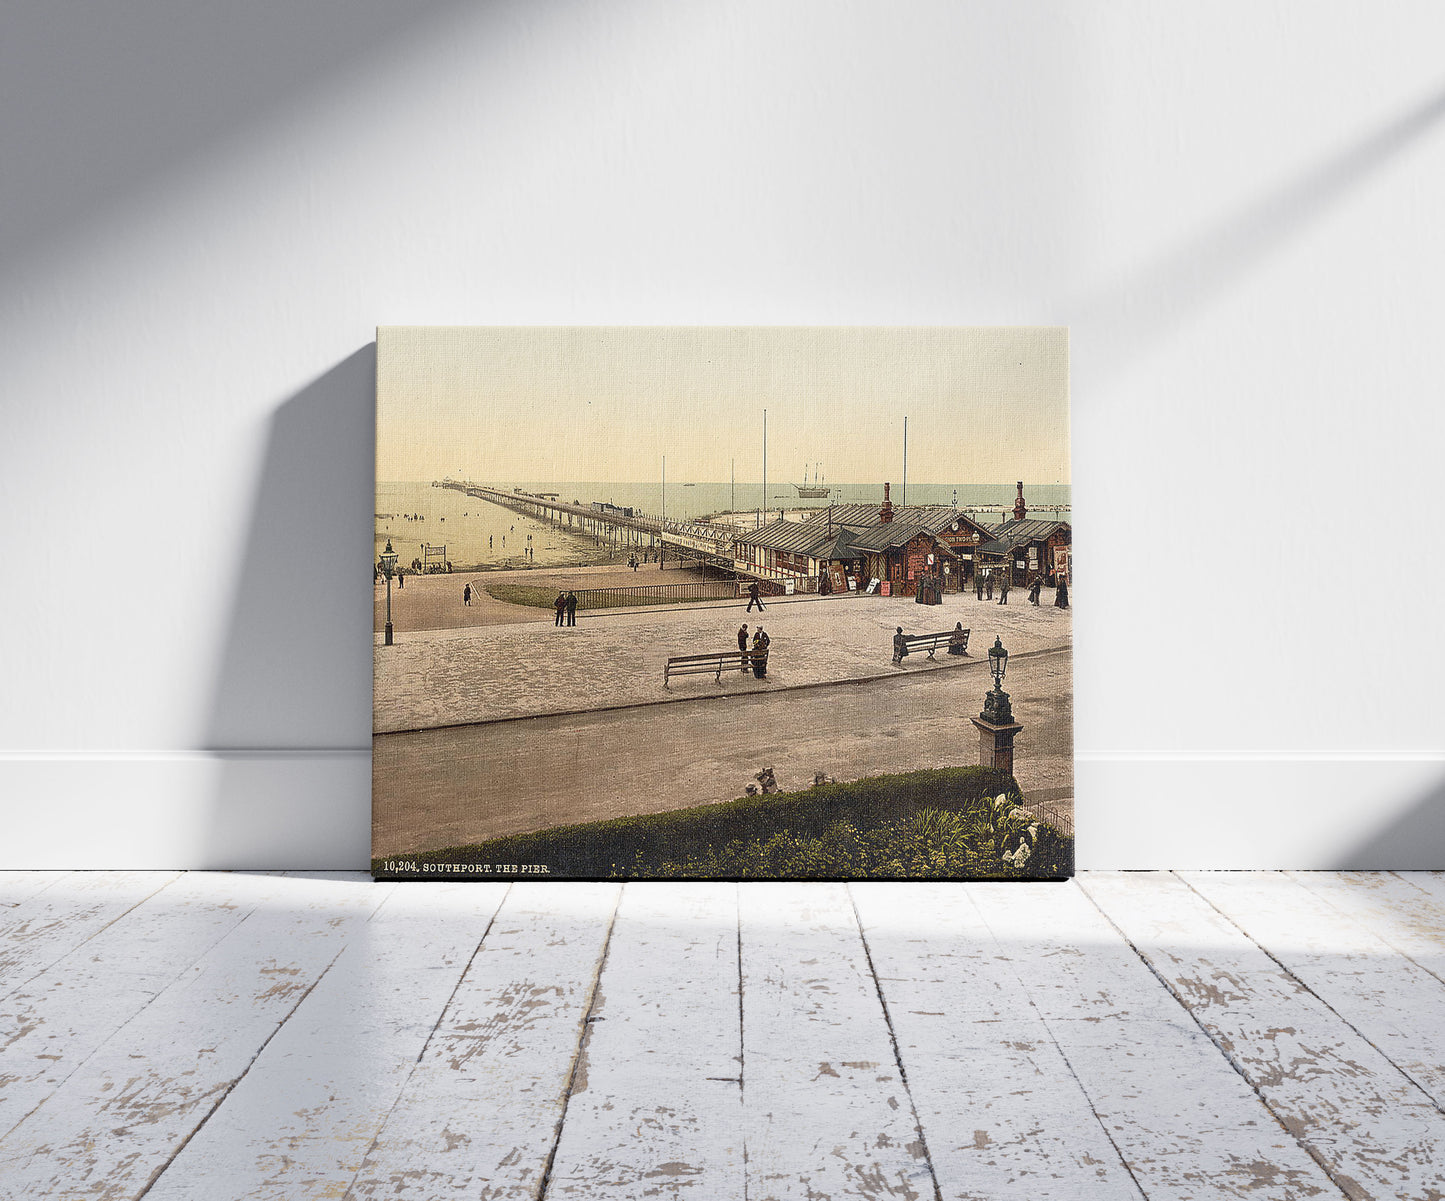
<point x="388" y="565"/>
<point x="996" y="726"/>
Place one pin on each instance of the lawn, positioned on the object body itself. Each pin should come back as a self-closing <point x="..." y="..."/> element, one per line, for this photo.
<point x="545" y="598"/>
<point x="940" y="824"/>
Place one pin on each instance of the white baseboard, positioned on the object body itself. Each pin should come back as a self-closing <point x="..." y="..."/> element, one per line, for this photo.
<point x="1309" y="811"/>
<point x="312" y="809"/>
<point x="186" y="809"/>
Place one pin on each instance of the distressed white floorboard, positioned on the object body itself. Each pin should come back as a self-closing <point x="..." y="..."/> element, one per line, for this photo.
<point x="1186" y="1124"/>
<point x="480" y="1113"/>
<point x="122" y="1115"/>
<point x="1002" y="1115"/>
<point x="826" y="1110"/>
<point x="1392" y="1002"/>
<point x="1371" y="1126"/>
<point x="225" y="1036"/>
<point x="16" y="887"/>
<point x="51" y="1024"/>
<point x="1403" y="908"/>
<point x="300" y="1123"/>
<point x="656" y="1106"/>
<point x="47" y="925"/>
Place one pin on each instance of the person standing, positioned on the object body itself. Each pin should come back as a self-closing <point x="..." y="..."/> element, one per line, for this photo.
<point x="988" y="586"/>
<point x="1003" y="587"/>
<point x="1035" y="588"/>
<point x="761" y="642"/>
<point x="560" y="604"/>
<point x="571" y="608"/>
<point x="755" y="597"/>
<point x="743" y="645"/>
<point x="978" y="585"/>
<point x="1061" y="594"/>
<point x="467" y="595"/>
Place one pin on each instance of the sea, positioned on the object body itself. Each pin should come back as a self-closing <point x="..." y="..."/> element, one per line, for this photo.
<point x="479" y="535"/>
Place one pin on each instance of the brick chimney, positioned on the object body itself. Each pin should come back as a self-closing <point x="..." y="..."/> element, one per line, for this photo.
<point x="1019" y="511"/>
<point x="885" y="514"/>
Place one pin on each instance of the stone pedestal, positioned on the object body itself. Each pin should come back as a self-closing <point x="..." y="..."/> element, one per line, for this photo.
<point x="996" y="743"/>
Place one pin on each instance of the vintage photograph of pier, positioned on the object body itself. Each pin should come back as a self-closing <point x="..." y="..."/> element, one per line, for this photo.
<point x="722" y="603"/>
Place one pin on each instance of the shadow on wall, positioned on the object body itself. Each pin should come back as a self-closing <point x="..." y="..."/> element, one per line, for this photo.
<point x="290" y="719"/>
<point x="1150" y="304"/>
<point x="132" y="92"/>
<point x="1413" y="842"/>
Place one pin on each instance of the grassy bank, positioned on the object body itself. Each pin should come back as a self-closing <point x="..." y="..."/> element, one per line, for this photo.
<point x="944" y="823"/>
<point x="545" y="598"/>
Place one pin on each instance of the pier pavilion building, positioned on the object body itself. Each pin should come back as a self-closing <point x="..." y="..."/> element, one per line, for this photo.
<point x="1026" y="549"/>
<point x="859" y="542"/>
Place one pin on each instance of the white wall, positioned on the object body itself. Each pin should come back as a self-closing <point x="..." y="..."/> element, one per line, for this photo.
<point x="205" y="208"/>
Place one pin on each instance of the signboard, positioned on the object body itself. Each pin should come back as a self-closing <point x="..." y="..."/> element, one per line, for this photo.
<point x="788" y="587"/>
<point x="886" y="589"/>
<point x="873" y="587"/>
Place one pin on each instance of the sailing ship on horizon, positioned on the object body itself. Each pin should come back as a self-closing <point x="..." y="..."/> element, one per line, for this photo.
<point x="816" y="488"/>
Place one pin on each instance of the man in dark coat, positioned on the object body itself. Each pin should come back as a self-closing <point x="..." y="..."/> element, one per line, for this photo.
<point x="467" y="595"/>
<point x="743" y="645"/>
<point x="560" y="604"/>
<point x="571" y="608"/>
<point x="755" y="597"/>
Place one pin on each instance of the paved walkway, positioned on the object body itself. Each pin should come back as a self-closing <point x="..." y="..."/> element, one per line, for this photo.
<point x="449" y="787"/>
<point x="459" y="676"/>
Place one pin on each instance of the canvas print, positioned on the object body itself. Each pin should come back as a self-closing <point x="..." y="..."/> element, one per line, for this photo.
<point x="723" y="603"/>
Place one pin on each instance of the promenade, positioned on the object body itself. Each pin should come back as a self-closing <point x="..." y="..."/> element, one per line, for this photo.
<point x="615" y="658"/>
<point x="464" y="784"/>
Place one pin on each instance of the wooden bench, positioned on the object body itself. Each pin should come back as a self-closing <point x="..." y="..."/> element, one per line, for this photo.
<point x="930" y="643"/>
<point x="712" y="664"/>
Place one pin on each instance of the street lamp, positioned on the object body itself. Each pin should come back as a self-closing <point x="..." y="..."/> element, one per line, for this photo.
<point x="388" y="565"/>
<point x="996" y="726"/>
<point x="996" y="708"/>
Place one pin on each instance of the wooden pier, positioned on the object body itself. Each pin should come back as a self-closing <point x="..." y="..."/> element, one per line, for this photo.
<point x="706" y="544"/>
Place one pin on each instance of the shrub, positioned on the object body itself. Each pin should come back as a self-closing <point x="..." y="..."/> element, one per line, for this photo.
<point x="944" y="823"/>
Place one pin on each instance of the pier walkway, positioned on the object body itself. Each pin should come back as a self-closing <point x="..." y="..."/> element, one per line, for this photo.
<point x="695" y="541"/>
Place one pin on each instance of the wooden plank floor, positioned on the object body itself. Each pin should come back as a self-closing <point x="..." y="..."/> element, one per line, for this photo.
<point x="1171" y="1036"/>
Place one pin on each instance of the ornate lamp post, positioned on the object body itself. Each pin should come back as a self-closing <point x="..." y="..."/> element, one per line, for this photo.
<point x="996" y="706"/>
<point x="388" y="565"/>
<point x="996" y="726"/>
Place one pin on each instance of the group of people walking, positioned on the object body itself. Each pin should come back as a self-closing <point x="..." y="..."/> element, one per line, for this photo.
<point x="983" y="588"/>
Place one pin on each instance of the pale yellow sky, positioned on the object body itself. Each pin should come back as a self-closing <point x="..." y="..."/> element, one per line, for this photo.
<point x="984" y="405"/>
